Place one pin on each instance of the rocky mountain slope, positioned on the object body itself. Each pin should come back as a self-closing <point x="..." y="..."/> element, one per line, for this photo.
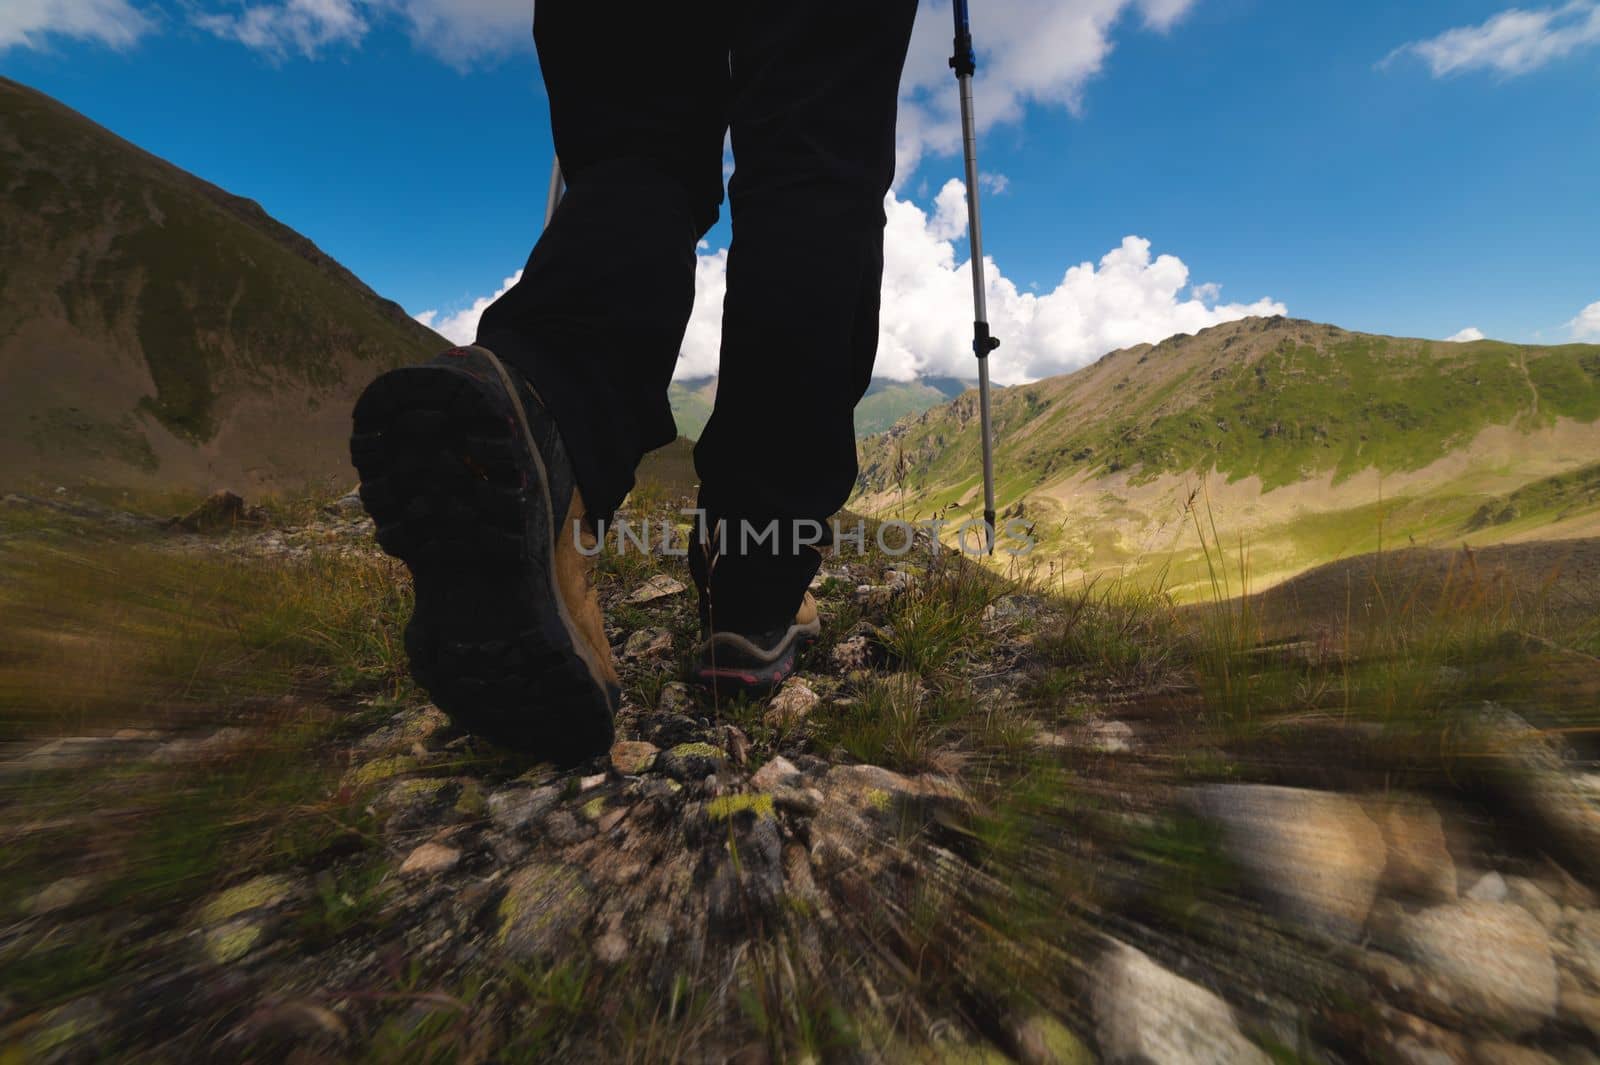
<point x="1311" y="442"/>
<point x="157" y="332"/>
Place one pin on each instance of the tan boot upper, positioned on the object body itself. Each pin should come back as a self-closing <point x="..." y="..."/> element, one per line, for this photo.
<point x="575" y="581"/>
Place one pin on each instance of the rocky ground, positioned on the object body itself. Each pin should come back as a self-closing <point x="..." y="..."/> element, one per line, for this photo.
<point x="987" y="822"/>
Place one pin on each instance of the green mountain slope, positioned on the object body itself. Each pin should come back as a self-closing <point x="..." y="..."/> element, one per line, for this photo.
<point x="885" y="403"/>
<point x="1291" y="424"/>
<point x="158" y="331"/>
<point x="691" y="404"/>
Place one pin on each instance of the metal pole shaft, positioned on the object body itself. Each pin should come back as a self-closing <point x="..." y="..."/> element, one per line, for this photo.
<point x="980" y="298"/>
<point x="965" y="64"/>
<point x="969" y="138"/>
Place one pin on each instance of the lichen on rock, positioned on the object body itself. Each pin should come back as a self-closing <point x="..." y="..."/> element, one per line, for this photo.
<point x="228" y="943"/>
<point x="544" y="908"/>
<point x="378" y="770"/>
<point x="728" y="806"/>
<point x="261" y="893"/>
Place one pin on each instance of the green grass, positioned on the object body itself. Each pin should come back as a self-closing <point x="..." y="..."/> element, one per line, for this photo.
<point x="104" y="631"/>
<point x="1185" y="864"/>
<point x="1109" y="632"/>
<point x="937" y="625"/>
<point x="933" y="634"/>
<point x="1553" y="497"/>
<point x="895" y="722"/>
<point x="1229" y="628"/>
<point x="122" y="631"/>
<point x="1568" y="381"/>
<point x="1398" y="647"/>
<point x="794" y="1015"/>
<point x="188" y="830"/>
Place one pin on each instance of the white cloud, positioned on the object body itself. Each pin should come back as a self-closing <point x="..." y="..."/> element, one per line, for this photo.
<point x="1587" y="325"/>
<point x="925" y="327"/>
<point x="1466" y="336"/>
<point x="303" y="27"/>
<point x="461" y="327"/>
<point x="995" y="183"/>
<point x="949" y="218"/>
<point x="460" y="32"/>
<point x="28" y="23"/>
<point x="1129" y="298"/>
<point x="703" y="339"/>
<point x="1513" y="42"/>
<point x="1029" y="52"/>
<point x="465" y="32"/>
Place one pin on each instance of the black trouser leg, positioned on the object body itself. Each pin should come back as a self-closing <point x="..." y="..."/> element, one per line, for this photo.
<point x="638" y="108"/>
<point x="812" y="108"/>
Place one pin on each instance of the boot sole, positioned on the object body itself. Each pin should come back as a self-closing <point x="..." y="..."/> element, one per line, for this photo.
<point x="459" y="493"/>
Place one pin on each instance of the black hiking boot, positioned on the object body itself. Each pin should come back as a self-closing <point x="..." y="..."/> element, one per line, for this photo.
<point x="465" y="475"/>
<point x="732" y="663"/>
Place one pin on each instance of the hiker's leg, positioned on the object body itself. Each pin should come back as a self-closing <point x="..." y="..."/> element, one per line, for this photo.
<point x="637" y="104"/>
<point x="813" y="114"/>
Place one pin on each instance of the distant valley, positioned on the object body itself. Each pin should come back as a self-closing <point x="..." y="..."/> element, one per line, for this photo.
<point x="885" y="403"/>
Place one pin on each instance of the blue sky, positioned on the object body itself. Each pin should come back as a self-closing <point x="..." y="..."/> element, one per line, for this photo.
<point x="1413" y="168"/>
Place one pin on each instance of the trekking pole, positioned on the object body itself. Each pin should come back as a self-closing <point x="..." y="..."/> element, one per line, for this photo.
<point x="965" y="63"/>
<point x="558" y="187"/>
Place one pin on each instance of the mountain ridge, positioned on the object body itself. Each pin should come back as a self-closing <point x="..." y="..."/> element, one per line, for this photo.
<point x="1282" y="423"/>
<point x="160" y="332"/>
